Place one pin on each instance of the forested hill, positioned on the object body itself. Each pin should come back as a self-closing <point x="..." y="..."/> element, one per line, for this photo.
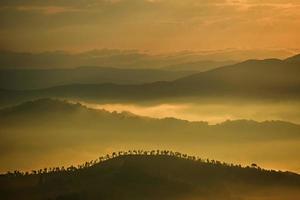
<point x="151" y="175"/>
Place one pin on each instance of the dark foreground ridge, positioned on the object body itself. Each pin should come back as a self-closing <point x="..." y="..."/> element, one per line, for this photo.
<point x="151" y="175"/>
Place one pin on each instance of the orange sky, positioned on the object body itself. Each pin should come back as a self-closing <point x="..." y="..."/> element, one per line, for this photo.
<point x="153" y="25"/>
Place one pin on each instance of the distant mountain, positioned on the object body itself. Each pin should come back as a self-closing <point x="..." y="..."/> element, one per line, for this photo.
<point x="60" y="126"/>
<point x="152" y="177"/>
<point x="24" y="79"/>
<point x="198" y="66"/>
<point x="99" y="57"/>
<point x="126" y="58"/>
<point x="294" y="59"/>
<point x="40" y="107"/>
<point x="272" y="79"/>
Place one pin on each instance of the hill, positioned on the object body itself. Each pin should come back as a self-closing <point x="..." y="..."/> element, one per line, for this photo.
<point x="270" y="79"/>
<point x="125" y="58"/>
<point x="258" y="77"/>
<point x="153" y="176"/>
<point x="132" y="59"/>
<point x="293" y="59"/>
<point x="24" y="79"/>
<point x="44" y="128"/>
<point x="198" y="66"/>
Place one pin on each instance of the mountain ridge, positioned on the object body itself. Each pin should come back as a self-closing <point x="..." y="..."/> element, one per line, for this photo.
<point x="30" y="79"/>
<point x="60" y="128"/>
<point x="258" y="79"/>
<point x="295" y="58"/>
<point x="62" y="105"/>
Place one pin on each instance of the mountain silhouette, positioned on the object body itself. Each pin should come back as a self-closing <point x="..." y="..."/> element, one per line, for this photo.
<point x="159" y="176"/>
<point x="294" y="59"/>
<point x="198" y="66"/>
<point x="258" y="79"/>
<point x="58" y="126"/>
<point x="103" y="58"/>
<point x="55" y="110"/>
<point x="40" y="106"/>
<point x="21" y="79"/>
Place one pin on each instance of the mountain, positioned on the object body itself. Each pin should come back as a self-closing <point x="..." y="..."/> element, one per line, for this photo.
<point x="257" y="77"/>
<point x="271" y="79"/>
<point x="127" y="58"/>
<point x="198" y="66"/>
<point x="40" y="107"/>
<point x="99" y="57"/>
<point x="43" y="128"/>
<point x="24" y="79"/>
<point x="293" y="59"/>
<point x="159" y="176"/>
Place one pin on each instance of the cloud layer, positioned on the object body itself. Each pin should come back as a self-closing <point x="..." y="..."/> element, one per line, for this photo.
<point x="155" y="25"/>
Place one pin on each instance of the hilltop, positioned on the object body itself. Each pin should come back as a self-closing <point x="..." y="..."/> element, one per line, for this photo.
<point x="152" y="175"/>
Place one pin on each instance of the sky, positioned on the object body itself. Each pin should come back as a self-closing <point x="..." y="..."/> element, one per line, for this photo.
<point x="156" y="26"/>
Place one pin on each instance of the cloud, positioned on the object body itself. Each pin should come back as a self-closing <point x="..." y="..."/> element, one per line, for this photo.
<point x="157" y="25"/>
<point x="47" y="9"/>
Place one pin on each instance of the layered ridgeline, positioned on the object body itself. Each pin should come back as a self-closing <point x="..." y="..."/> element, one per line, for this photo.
<point x="120" y="59"/>
<point x="258" y="79"/>
<point x="25" y="79"/>
<point x="153" y="175"/>
<point x="49" y="132"/>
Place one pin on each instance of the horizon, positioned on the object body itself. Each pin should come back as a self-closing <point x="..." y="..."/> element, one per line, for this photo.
<point x="135" y="59"/>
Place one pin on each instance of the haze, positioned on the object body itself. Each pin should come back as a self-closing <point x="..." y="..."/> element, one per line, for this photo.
<point x="157" y="26"/>
<point x="139" y="90"/>
<point x="211" y="112"/>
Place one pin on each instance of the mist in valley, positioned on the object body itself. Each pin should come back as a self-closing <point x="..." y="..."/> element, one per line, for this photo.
<point x="150" y="99"/>
<point x="49" y="132"/>
<point x="212" y="111"/>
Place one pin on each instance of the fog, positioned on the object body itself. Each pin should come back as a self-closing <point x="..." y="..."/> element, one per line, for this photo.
<point x="48" y="133"/>
<point x="212" y="113"/>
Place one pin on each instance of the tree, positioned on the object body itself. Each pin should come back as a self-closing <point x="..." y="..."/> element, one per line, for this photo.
<point x="253" y="165"/>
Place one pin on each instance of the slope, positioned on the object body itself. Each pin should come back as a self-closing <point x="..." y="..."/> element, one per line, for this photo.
<point x="52" y="127"/>
<point x="160" y="176"/>
<point x="44" y="78"/>
<point x="270" y="79"/>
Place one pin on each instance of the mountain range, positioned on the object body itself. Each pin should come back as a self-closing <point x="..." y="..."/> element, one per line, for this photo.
<point x="115" y="58"/>
<point x="258" y="79"/>
<point x="26" y="79"/>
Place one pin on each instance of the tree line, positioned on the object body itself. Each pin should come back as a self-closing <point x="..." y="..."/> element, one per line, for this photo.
<point x="113" y="155"/>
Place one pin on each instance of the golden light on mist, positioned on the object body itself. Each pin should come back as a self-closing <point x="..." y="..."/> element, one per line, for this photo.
<point x="156" y="26"/>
